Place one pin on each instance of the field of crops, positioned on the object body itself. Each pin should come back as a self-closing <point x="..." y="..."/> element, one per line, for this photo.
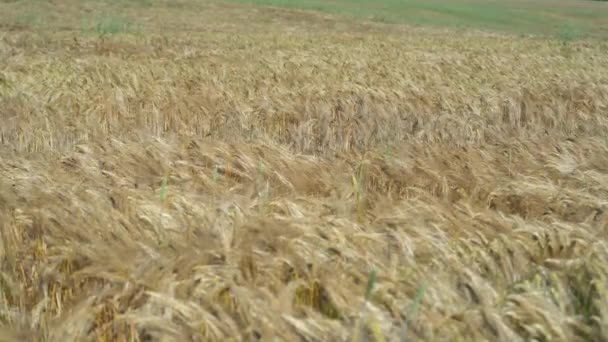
<point x="203" y="171"/>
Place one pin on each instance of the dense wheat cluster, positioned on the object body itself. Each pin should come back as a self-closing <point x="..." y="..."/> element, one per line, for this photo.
<point x="251" y="174"/>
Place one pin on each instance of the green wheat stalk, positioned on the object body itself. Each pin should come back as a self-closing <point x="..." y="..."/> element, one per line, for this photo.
<point x="413" y="310"/>
<point x="163" y="190"/>
<point x="371" y="283"/>
<point x="358" y="190"/>
<point x="163" y="196"/>
<point x="372" y="279"/>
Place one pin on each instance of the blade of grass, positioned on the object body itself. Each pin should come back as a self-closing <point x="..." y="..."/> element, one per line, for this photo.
<point x="413" y="309"/>
<point x="371" y="282"/>
<point x="163" y="190"/>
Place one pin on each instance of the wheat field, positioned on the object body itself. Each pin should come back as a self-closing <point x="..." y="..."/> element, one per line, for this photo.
<point x="223" y="172"/>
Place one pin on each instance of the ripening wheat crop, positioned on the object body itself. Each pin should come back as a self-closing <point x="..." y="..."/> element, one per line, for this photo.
<point x="226" y="173"/>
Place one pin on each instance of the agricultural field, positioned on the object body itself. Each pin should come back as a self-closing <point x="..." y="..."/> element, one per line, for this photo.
<point x="225" y="171"/>
<point x="567" y="19"/>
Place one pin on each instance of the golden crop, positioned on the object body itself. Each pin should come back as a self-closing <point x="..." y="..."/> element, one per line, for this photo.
<point x="275" y="175"/>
